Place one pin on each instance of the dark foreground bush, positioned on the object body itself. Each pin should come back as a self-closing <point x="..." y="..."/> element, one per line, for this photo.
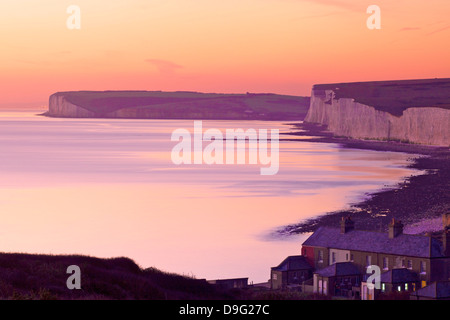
<point x="43" y="277"/>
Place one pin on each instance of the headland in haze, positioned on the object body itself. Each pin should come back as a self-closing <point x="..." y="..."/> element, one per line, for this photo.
<point x="176" y="105"/>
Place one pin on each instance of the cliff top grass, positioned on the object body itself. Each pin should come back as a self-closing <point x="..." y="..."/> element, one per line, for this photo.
<point x="187" y="104"/>
<point x="394" y="97"/>
<point x="43" y="277"/>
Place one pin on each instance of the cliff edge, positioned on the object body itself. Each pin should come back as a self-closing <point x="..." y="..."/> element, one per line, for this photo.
<point x="412" y="111"/>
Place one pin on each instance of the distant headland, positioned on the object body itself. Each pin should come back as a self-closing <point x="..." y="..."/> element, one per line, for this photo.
<point x="176" y="105"/>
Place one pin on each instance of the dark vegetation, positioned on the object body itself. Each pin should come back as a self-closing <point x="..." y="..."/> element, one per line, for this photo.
<point x="43" y="277"/>
<point x="394" y="96"/>
<point x="189" y="105"/>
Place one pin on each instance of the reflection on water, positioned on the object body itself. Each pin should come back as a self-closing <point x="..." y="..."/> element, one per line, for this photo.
<point x="109" y="188"/>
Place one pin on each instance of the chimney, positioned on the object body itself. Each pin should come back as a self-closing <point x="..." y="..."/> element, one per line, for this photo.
<point x="395" y="228"/>
<point x="347" y="225"/>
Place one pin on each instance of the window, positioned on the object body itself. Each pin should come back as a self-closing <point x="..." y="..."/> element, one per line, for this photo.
<point x="406" y="287"/>
<point x="424" y="283"/>
<point x="383" y="287"/>
<point x="403" y="263"/>
<point x="385" y="263"/>
<point x="423" y="267"/>
<point x="409" y="264"/>
<point x="274" y="276"/>
<point x="351" y="257"/>
<point x="320" y="258"/>
<point x="399" y="288"/>
<point x="333" y="257"/>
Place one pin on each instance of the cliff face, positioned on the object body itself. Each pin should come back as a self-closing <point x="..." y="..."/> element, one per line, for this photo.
<point x="345" y="117"/>
<point x="60" y="107"/>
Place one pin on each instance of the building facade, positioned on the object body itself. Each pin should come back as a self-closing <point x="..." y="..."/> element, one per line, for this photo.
<point x="290" y="273"/>
<point x="405" y="262"/>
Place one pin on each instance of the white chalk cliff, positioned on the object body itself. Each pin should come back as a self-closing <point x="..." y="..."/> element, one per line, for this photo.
<point x="345" y="117"/>
<point x="60" y="107"/>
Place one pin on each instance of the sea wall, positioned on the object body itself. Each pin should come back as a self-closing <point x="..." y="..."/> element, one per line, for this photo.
<point x="345" y="117"/>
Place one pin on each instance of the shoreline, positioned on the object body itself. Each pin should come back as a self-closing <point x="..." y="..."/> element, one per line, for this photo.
<point x="415" y="201"/>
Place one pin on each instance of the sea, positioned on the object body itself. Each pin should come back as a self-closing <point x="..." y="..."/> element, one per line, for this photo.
<point x="109" y="188"/>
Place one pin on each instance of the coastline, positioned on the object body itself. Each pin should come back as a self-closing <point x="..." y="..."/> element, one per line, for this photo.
<point x="418" y="201"/>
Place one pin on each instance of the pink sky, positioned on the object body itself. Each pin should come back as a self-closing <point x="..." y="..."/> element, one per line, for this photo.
<point x="279" y="46"/>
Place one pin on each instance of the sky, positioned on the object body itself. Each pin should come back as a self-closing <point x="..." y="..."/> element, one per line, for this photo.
<point x="233" y="46"/>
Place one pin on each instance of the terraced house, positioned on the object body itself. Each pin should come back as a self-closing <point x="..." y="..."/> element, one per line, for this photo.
<point x="290" y="273"/>
<point x="340" y="257"/>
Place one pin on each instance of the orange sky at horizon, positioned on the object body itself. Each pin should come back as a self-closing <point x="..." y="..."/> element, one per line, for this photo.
<point x="278" y="46"/>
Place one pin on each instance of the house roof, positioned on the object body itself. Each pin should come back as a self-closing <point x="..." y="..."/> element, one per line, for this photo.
<point x="401" y="275"/>
<point x="377" y="242"/>
<point x="339" y="269"/>
<point x="436" y="290"/>
<point x="293" y="263"/>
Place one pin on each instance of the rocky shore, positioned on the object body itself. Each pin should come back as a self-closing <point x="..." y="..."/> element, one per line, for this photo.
<point x="418" y="201"/>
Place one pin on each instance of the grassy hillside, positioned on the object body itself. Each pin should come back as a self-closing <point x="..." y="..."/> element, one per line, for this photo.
<point x="189" y="105"/>
<point x="394" y="96"/>
<point x="26" y="276"/>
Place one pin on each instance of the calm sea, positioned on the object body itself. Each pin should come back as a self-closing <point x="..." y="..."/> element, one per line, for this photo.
<point x="108" y="188"/>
